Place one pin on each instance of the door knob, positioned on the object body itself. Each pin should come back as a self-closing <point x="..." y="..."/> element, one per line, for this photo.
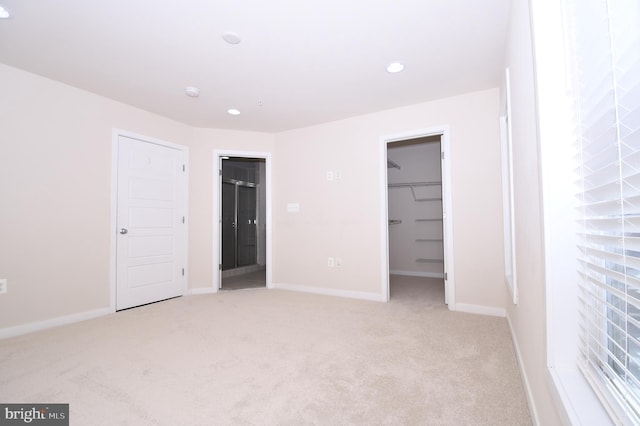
<point x="123" y="231"/>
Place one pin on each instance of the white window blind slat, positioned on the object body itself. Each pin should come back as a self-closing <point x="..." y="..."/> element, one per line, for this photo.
<point x="597" y="293"/>
<point x="631" y="243"/>
<point x="595" y="139"/>
<point x="629" y="116"/>
<point x="630" y="180"/>
<point x="629" y="73"/>
<point x="603" y="208"/>
<point x="632" y="262"/>
<point x="599" y="130"/>
<point x="596" y="255"/>
<point x="632" y="203"/>
<point x="607" y="225"/>
<point x="608" y="190"/>
<point x="609" y="172"/>
<point x="632" y="224"/>
<point x="631" y="160"/>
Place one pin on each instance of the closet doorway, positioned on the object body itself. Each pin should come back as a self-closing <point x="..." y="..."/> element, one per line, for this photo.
<point x="242" y="223"/>
<point x="417" y="233"/>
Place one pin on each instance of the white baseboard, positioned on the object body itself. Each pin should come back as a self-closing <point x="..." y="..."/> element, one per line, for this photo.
<point x="330" y="292"/>
<point x="523" y="374"/>
<point x="417" y="274"/>
<point x="19" y="330"/>
<point x="481" y="310"/>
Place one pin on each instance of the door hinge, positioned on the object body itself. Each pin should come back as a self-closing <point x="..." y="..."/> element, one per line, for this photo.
<point x="183" y="272"/>
<point x="182" y="219"/>
<point x="445" y="276"/>
<point x="184" y="168"/>
<point x="220" y="172"/>
<point x="442" y="155"/>
<point x="220" y="266"/>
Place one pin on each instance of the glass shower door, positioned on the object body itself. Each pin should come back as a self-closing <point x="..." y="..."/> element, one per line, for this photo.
<point x="228" y="226"/>
<point x="239" y="224"/>
<point x="246" y="236"/>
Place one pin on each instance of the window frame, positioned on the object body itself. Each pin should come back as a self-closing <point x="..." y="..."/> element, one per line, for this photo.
<point x="581" y="402"/>
<point x="575" y="397"/>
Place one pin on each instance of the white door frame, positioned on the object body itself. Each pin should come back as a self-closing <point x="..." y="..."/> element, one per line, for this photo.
<point x="218" y="156"/>
<point x="113" y="229"/>
<point x="447" y="226"/>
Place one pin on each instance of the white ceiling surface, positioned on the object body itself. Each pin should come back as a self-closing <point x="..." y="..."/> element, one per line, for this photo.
<point x="309" y="62"/>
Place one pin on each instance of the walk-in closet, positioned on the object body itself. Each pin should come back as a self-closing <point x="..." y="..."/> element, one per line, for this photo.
<point x="416" y="246"/>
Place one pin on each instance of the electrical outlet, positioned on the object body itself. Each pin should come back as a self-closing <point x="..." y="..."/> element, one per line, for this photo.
<point x="3" y="285"/>
<point x="330" y="262"/>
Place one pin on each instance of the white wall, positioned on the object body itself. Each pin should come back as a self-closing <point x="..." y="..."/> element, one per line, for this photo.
<point x="528" y="318"/>
<point x="342" y="218"/>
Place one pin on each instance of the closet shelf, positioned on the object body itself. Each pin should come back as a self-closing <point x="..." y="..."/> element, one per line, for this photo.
<point x="413" y="185"/>
<point x="392" y="164"/>
<point x="428" y="220"/>
<point x="430" y="260"/>
<point x="427" y="240"/>
<point x="395" y="221"/>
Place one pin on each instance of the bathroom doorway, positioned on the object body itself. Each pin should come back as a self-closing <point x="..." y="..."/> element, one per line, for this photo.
<point x="242" y="223"/>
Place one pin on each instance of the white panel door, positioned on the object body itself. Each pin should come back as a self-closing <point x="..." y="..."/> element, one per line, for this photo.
<point x="151" y="234"/>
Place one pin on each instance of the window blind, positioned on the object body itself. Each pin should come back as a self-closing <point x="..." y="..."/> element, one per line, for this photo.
<point x="604" y="44"/>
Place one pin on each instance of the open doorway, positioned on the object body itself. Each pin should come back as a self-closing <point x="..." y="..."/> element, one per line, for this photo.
<point x="242" y="223"/>
<point x="417" y="233"/>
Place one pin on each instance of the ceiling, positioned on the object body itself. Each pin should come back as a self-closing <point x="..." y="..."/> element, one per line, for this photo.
<point x="299" y="62"/>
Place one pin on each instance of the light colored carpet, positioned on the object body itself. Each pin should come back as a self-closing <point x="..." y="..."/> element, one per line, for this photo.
<point x="273" y="357"/>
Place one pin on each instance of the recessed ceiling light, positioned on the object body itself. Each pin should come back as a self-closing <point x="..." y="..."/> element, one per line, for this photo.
<point x="4" y="13"/>
<point x="231" y="38"/>
<point x="191" y="91"/>
<point x="233" y="111"/>
<point x="395" y="67"/>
